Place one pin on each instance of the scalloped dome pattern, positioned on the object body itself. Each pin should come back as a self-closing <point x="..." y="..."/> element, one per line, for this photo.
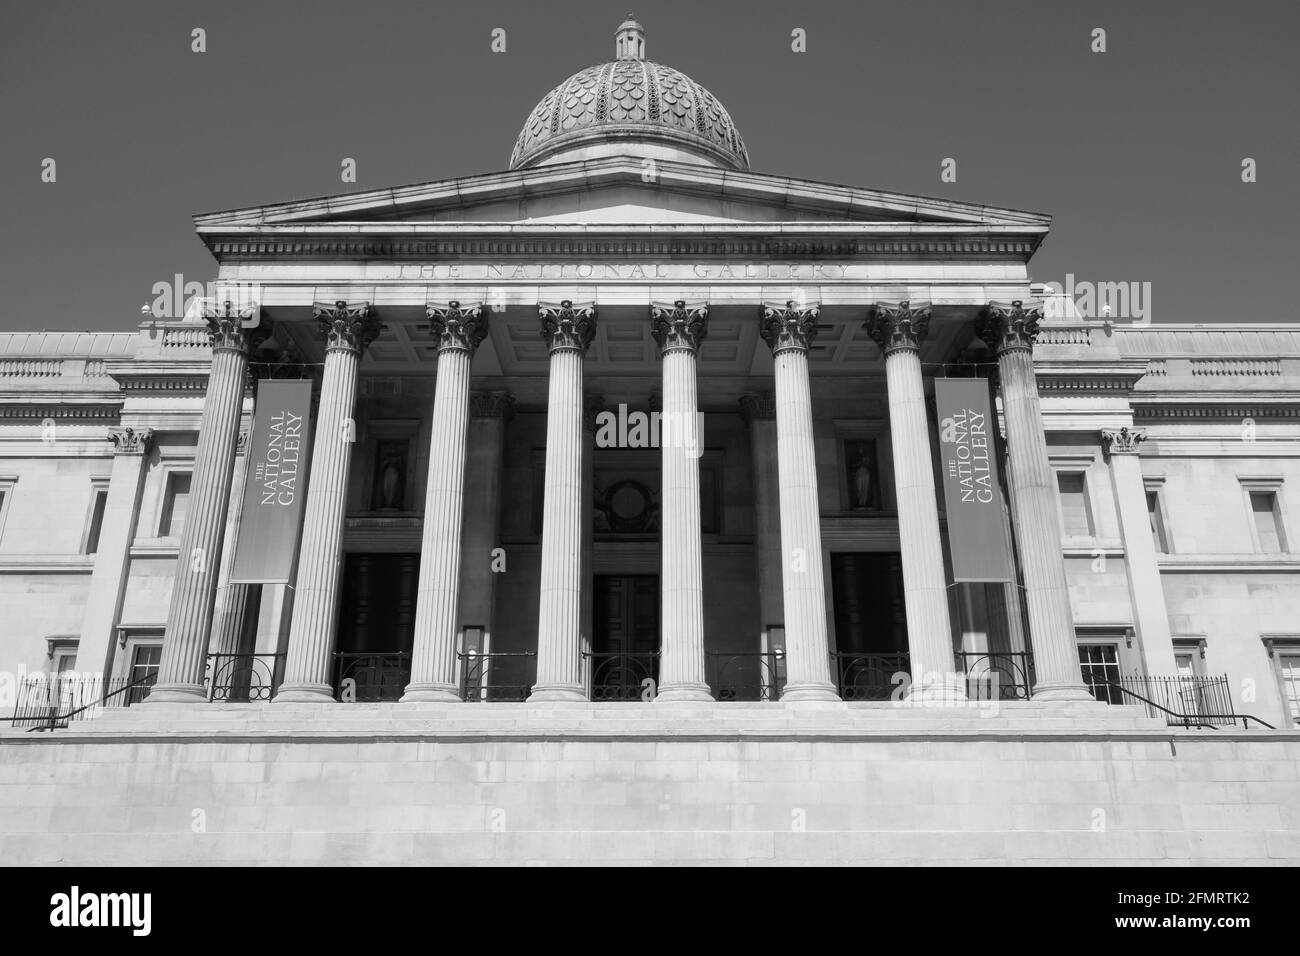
<point x="635" y="97"/>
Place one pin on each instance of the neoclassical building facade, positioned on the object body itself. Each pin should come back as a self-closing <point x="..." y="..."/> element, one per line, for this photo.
<point x="631" y="421"/>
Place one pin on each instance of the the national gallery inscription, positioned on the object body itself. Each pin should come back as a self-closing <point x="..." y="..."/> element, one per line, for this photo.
<point x="624" y="271"/>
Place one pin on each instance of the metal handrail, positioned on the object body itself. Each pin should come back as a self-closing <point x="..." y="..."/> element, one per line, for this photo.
<point x="53" y="720"/>
<point x="476" y="668"/>
<point x="230" y="676"/>
<point x="1189" y="720"/>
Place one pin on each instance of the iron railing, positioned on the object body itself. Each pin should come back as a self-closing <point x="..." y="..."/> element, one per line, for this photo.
<point x="50" y="702"/>
<point x="864" y="676"/>
<point x="1001" y="675"/>
<point x="745" y="675"/>
<point x="244" y="678"/>
<point x="624" y="675"/>
<point x="368" y="677"/>
<point x="500" y="675"/>
<point x="1183" y="700"/>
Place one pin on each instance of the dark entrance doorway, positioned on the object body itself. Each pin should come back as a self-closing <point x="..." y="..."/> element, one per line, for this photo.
<point x="625" y="636"/>
<point x="870" y="623"/>
<point x="376" y="626"/>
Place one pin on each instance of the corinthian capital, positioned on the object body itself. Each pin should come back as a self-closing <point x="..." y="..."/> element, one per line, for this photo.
<point x="567" y="325"/>
<point x="1009" y="326"/>
<point x="458" y="327"/>
<point x="237" y="327"/>
<point x="679" y="325"/>
<point x="898" y="326"/>
<point x="131" y="441"/>
<point x="758" y="407"/>
<point x="346" y="326"/>
<point x="1121" y="441"/>
<point x="788" y="326"/>
<point x="495" y="404"/>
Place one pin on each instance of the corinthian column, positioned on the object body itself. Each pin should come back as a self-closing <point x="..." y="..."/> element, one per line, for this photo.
<point x="1010" y="329"/>
<point x="459" y="329"/>
<point x="568" y="330"/>
<point x="233" y="333"/>
<point x="789" y="329"/>
<point x="899" y="330"/>
<point x="347" y="329"/>
<point x="679" y="328"/>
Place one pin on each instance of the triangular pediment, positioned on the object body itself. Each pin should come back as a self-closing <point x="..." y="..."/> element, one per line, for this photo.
<point x="627" y="191"/>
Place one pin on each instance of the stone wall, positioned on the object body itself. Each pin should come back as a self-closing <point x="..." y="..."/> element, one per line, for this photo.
<point x="629" y="784"/>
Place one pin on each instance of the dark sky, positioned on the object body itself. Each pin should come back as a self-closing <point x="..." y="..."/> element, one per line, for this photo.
<point x="1136" y="152"/>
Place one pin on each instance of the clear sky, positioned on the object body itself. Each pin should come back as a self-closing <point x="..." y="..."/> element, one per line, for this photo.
<point x="1136" y="152"/>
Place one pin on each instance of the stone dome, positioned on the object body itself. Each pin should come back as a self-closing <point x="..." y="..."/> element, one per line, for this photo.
<point x="630" y="105"/>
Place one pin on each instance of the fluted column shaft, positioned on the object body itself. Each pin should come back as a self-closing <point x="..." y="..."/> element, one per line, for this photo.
<point x="568" y="331"/>
<point x="231" y="609"/>
<point x="789" y="330"/>
<point x="1011" y="330"/>
<point x="678" y="329"/>
<point x="189" y="617"/>
<point x="433" y="657"/>
<point x="899" y="330"/>
<point x="348" y="330"/>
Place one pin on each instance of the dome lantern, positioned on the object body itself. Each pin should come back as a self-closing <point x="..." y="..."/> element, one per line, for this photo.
<point x="629" y="40"/>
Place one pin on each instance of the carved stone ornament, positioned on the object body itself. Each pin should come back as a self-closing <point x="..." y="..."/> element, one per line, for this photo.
<point x="131" y="441"/>
<point x="566" y="325"/>
<point x="897" y="326"/>
<point x="458" y="327"/>
<point x="1121" y="441"/>
<point x="679" y="325"/>
<point x="347" y="326"/>
<point x="236" y="327"/>
<point x="789" y="325"/>
<point x="1009" y="326"/>
<point x="758" y="407"/>
<point x="495" y="404"/>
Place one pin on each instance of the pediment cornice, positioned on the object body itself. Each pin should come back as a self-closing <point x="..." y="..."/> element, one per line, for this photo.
<point x="817" y="199"/>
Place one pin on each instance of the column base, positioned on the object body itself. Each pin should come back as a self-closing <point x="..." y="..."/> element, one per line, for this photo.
<point x="432" y="692"/>
<point x="683" y="692"/>
<point x="304" y="694"/>
<point x="572" y="693"/>
<point x="813" y="690"/>
<point x="938" y="691"/>
<point x="177" y="694"/>
<point x="1061" y="691"/>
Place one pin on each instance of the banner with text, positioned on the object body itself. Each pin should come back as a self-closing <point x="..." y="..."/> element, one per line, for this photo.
<point x="976" y="535"/>
<point x="276" y="482"/>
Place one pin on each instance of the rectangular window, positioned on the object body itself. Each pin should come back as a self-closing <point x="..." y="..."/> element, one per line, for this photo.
<point x="1288" y="665"/>
<point x="1268" y="523"/>
<point x="98" y="503"/>
<point x="1100" y="663"/>
<point x="144" y="664"/>
<point x="1076" y="519"/>
<point x="176" y="503"/>
<point x="1156" y="513"/>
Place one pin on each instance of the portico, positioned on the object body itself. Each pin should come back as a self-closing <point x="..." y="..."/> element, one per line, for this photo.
<point x="782" y="534"/>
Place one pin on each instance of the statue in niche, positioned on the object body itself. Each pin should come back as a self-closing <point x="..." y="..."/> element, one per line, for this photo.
<point x="863" y="478"/>
<point x="389" y="491"/>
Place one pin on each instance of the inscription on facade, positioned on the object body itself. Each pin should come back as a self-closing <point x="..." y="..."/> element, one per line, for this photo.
<point x="623" y="271"/>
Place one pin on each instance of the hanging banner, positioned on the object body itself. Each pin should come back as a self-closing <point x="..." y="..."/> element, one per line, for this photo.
<point x="971" y="491"/>
<point x="276" y="483"/>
